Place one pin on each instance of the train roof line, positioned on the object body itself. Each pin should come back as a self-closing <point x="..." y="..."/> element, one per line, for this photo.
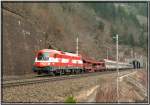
<point x="60" y="52"/>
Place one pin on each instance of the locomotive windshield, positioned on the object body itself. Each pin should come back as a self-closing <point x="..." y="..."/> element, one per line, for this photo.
<point x="43" y="56"/>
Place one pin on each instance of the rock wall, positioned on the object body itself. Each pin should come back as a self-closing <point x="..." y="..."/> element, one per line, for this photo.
<point x="20" y="42"/>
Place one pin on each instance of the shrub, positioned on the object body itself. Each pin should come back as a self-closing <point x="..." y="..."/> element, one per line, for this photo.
<point x="70" y="99"/>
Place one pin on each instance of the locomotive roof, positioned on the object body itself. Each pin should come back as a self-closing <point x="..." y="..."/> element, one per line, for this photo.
<point x="59" y="52"/>
<point x="49" y="50"/>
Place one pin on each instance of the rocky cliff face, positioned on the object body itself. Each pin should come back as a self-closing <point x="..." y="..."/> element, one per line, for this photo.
<point x="19" y="43"/>
<point x="28" y="27"/>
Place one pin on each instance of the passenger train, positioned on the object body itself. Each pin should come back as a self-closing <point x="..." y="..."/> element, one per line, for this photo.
<point x="54" y="62"/>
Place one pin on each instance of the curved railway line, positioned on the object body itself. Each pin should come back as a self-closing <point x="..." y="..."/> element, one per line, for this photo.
<point x="50" y="79"/>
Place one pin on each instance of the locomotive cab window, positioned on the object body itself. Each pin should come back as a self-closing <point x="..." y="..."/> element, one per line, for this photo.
<point x="43" y="56"/>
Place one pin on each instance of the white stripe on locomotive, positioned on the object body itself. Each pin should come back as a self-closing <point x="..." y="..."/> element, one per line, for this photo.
<point x="65" y="60"/>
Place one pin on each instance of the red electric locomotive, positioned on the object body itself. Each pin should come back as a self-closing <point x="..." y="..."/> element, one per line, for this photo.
<point x="53" y="61"/>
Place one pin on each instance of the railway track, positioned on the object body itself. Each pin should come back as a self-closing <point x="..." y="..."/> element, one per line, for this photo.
<point x="51" y="79"/>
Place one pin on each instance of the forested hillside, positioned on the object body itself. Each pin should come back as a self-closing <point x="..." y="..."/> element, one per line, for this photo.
<point x="124" y="16"/>
<point x="28" y="27"/>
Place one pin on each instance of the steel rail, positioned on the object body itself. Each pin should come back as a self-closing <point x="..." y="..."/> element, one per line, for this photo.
<point x="51" y="79"/>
